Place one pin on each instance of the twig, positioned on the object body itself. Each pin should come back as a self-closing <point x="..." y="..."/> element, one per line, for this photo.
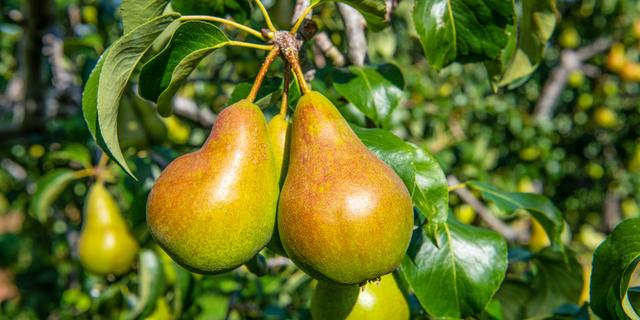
<point x="484" y="213"/>
<point x="186" y="108"/>
<point x="298" y="10"/>
<point x="327" y="48"/>
<point x="354" y="28"/>
<point x="611" y="210"/>
<point x="570" y="60"/>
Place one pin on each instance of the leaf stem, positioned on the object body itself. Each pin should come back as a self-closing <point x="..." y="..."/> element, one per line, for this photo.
<point x="457" y="186"/>
<point x="240" y="26"/>
<point x="267" y="18"/>
<point x="102" y="163"/>
<point x="284" y="105"/>
<point x="262" y="73"/>
<point x="301" y="18"/>
<point x="250" y="45"/>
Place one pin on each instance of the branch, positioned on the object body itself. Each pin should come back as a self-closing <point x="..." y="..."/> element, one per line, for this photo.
<point x="299" y="9"/>
<point x="570" y="60"/>
<point x="328" y="49"/>
<point x="484" y="213"/>
<point x="188" y="109"/>
<point x="354" y="25"/>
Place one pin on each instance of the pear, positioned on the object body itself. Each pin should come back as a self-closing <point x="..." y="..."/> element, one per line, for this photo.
<point x="343" y="215"/>
<point x="279" y="134"/>
<point x="373" y="301"/>
<point x="105" y="246"/>
<point x="212" y="210"/>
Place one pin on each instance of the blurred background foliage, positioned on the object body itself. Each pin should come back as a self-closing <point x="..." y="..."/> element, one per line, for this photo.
<point x="583" y="151"/>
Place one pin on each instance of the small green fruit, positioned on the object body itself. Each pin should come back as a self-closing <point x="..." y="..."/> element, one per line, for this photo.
<point x="374" y="301"/>
<point x="105" y="246"/>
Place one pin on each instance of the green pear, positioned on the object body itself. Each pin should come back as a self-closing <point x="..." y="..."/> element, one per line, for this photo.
<point x="279" y="134"/>
<point x="105" y="246"/>
<point x="343" y="215"/>
<point x="212" y="210"/>
<point x="373" y="301"/>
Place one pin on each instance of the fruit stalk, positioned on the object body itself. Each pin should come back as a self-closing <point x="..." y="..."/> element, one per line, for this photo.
<point x="262" y="73"/>
<point x="284" y="105"/>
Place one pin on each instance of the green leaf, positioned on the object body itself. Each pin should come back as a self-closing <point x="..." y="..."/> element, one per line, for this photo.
<point x="419" y="171"/>
<point x="238" y="10"/>
<point x="374" y="90"/>
<point x="90" y="97"/>
<point x="540" y="207"/>
<point x="183" y="283"/>
<point x="136" y="12"/>
<point x="48" y="188"/>
<point x="150" y="284"/>
<point x="462" y="30"/>
<point x="73" y="152"/>
<point x="614" y="263"/>
<point x="119" y="64"/>
<point x="459" y="278"/>
<point x="373" y="11"/>
<point x="526" y="46"/>
<point x="163" y="75"/>
<point x="555" y="282"/>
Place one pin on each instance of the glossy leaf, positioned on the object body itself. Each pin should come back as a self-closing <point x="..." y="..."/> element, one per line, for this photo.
<point x="540" y="207"/>
<point x="373" y="11"/>
<point x="48" y="188"/>
<point x="238" y="10"/>
<point x="459" y="278"/>
<point x="72" y="152"/>
<point x="150" y="284"/>
<point x="136" y="12"/>
<point x="462" y="30"/>
<point x="375" y="90"/>
<point x="614" y="263"/>
<point x="419" y="171"/>
<point x="119" y="64"/>
<point x="527" y="43"/>
<point x="163" y="75"/>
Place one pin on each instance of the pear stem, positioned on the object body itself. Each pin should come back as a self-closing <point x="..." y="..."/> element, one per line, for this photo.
<point x="267" y="18"/>
<point x="297" y="70"/>
<point x="102" y="163"/>
<point x="262" y="73"/>
<point x="284" y="106"/>
<point x="239" y="26"/>
<point x="303" y="16"/>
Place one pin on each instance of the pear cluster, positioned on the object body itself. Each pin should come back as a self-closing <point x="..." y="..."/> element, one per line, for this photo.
<point x="310" y="190"/>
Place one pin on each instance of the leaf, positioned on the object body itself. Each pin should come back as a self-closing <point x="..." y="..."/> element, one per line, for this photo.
<point x="238" y="10"/>
<point x="90" y="97"/>
<point x="526" y="46"/>
<point x="73" y="152"/>
<point x="150" y="284"/>
<point x="462" y="30"/>
<point x="183" y="283"/>
<point x="614" y="262"/>
<point x="555" y="283"/>
<point x="48" y="188"/>
<point x="374" y="90"/>
<point x="136" y="12"/>
<point x="163" y="75"/>
<point x="459" y="278"/>
<point x="419" y="171"/>
<point x="540" y="207"/>
<point x="119" y="64"/>
<point x="373" y="11"/>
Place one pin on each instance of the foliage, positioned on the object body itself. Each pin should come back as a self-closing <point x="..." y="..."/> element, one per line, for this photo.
<point x="450" y="88"/>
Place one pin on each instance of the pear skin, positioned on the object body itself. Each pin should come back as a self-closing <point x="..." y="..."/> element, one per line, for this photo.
<point x="279" y="135"/>
<point x="344" y="215"/>
<point x="373" y="301"/>
<point x="105" y="246"/>
<point x="212" y="210"/>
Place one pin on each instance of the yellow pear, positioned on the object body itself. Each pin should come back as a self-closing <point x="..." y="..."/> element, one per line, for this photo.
<point x="105" y="246"/>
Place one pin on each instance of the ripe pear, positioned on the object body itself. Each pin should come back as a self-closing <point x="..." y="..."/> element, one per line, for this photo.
<point x="105" y="246"/>
<point x="212" y="210"/>
<point x="279" y="135"/>
<point x="382" y="300"/>
<point x="343" y="215"/>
